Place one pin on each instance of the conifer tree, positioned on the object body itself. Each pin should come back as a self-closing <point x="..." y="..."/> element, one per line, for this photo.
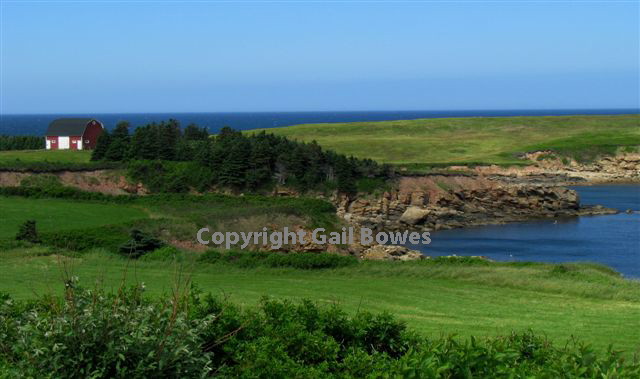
<point x="233" y="171"/>
<point x="119" y="146"/>
<point x="193" y="133"/>
<point x="102" y="146"/>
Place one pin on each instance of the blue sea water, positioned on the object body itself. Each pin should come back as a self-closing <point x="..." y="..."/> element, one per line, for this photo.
<point x="613" y="240"/>
<point x="36" y="124"/>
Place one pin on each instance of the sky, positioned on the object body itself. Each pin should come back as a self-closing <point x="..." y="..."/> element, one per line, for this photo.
<point x="206" y="56"/>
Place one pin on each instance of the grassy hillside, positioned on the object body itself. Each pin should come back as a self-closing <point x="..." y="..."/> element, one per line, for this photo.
<point x="472" y="140"/>
<point x="433" y="298"/>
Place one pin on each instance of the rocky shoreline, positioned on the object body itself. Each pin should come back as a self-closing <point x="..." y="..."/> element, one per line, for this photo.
<point x="493" y="203"/>
<point x="462" y="197"/>
<point x="482" y="196"/>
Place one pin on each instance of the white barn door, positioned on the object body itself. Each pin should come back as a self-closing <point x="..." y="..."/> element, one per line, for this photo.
<point x="63" y="142"/>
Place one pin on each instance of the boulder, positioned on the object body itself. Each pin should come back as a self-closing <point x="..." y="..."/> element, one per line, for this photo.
<point x="390" y="253"/>
<point x="414" y="215"/>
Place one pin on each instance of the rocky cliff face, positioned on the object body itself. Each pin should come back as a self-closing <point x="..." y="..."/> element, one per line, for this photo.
<point x="439" y="202"/>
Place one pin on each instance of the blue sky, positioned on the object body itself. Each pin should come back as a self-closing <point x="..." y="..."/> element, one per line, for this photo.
<point x="136" y="56"/>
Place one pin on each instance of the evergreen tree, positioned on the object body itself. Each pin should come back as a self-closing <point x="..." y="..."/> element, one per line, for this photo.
<point x="102" y="146"/>
<point x="260" y="171"/>
<point x="345" y="176"/>
<point x="168" y="135"/>
<point x="143" y="144"/>
<point x="119" y="146"/>
<point x="193" y="133"/>
<point x="233" y="171"/>
<point x="28" y="232"/>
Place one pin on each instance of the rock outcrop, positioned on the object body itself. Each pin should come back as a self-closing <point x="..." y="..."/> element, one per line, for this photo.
<point x="418" y="205"/>
<point x="550" y="168"/>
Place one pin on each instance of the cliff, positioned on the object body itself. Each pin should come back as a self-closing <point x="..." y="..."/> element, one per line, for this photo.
<point x="444" y="202"/>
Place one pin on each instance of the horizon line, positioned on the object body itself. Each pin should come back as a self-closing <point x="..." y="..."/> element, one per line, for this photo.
<point x="636" y="109"/>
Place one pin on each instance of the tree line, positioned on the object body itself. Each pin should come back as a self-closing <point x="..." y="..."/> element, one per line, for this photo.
<point x="21" y="142"/>
<point x="232" y="159"/>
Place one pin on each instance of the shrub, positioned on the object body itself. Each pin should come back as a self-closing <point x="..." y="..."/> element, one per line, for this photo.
<point x="166" y="253"/>
<point x="97" y="334"/>
<point x="28" y="232"/>
<point x="102" y="335"/>
<point x="108" y="237"/>
<point x="139" y="244"/>
<point x="306" y="261"/>
<point x="40" y="167"/>
<point x="21" y="142"/>
<point x="309" y="261"/>
<point x="61" y="192"/>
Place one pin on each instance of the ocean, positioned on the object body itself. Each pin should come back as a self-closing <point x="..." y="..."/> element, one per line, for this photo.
<point x="36" y="124"/>
<point x="612" y="240"/>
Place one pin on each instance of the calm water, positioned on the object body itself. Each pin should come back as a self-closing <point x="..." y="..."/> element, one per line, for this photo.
<point x="37" y="124"/>
<point x="613" y="240"/>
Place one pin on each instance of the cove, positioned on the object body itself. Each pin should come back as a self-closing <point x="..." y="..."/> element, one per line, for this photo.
<point x="612" y="240"/>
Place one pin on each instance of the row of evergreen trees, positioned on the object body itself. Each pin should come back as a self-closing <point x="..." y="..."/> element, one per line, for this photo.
<point x="235" y="160"/>
<point x="21" y="142"/>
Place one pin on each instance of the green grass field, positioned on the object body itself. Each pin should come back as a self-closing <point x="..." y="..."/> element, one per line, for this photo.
<point x="433" y="299"/>
<point x="57" y="214"/>
<point x="471" y="140"/>
<point x="588" y="302"/>
<point x="58" y="156"/>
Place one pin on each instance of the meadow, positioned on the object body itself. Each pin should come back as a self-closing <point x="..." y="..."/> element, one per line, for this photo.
<point x="433" y="298"/>
<point x="473" y="140"/>
<point x="60" y="214"/>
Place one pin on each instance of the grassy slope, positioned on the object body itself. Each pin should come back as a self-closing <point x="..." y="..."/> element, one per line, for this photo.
<point x="57" y="214"/>
<point x="62" y="156"/>
<point x="471" y="140"/>
<point x="433" y="299"/>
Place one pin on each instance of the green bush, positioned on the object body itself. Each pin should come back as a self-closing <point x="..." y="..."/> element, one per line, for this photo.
<point x="98" y="334"/>
<point x="28" y="232"/>
<point x="21" y="142"/>
<point x="40" y="167"/>
<point x="108" y="237"/>
<point x="61" y="192"/>
<point x="166" y="253"/>
<point x="307" y="261"/>
<point x="140" y="244"/>
<point x="102" y="335"/>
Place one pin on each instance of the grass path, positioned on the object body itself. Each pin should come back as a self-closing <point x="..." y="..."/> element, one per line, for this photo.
<point x="431" y="305"/>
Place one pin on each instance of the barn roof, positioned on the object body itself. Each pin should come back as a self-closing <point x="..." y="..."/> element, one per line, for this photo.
<point x="68" y="126"/>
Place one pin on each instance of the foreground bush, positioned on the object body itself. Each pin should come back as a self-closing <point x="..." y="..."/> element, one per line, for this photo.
<point x="92" y="333"/>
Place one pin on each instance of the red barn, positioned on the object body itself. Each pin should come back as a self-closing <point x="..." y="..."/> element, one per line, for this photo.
<point x="73" y="133"/>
